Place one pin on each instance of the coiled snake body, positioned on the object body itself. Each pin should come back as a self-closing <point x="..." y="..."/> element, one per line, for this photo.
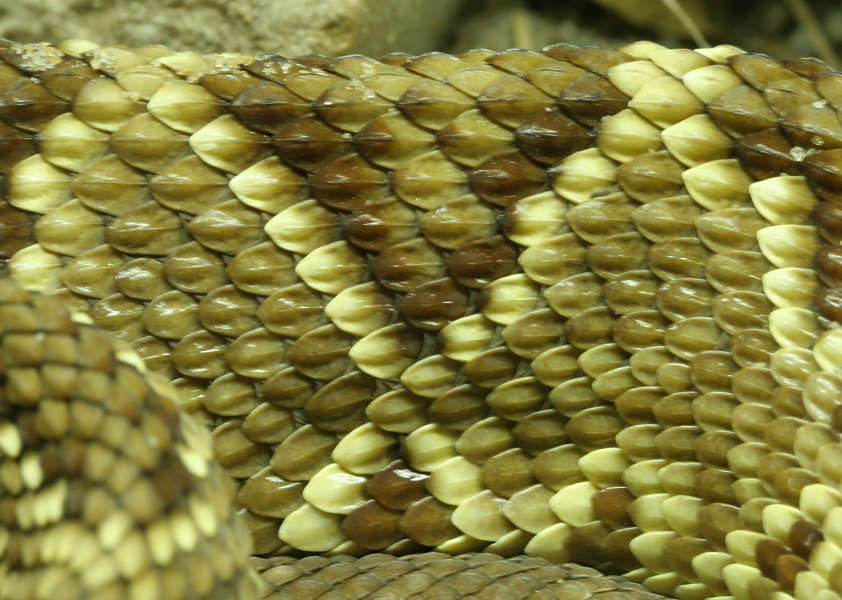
<point x="579" y="304"/>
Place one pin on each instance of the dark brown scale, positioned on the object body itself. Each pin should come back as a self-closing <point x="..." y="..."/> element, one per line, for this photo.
<point x="759" y="70"/>
<point x="15" y="145"/>
<point x="823" y="171"/>
<point x="434" y="304"/>
<point x="806" y="67"/>
<point x="765" y="154"/>
<point x="372" y="526"/>
<point x="829" y="265"/>
<point x="507" y="177"/>
<point x="427" y="522"/>
<point x="615" y="548"/>
<point x="787" y="96"/>
<point x="790" y="482"/>
<point x="559" y="51"/>
<point x="803" y="536"/>
<point x="767" y="553"/>
<point x="274" y="68"/>
<point x="651" y="176"/>
<point x="584" y="545"/>
<point x="680" y="553"/>
<point x="828" y="218"/>
<point x="787" y="567"/>
<point x="15" y="229"/>
<point x="407" y="265"/>
<point x="716" y="485"/>
<point x="67" y="77"/>
<point x="340" y="405"/>
<point x="479" y="262"/>
<point x="611" y="506"/>
<point x="28" y="105"/>
<point x="829" y="304"/>
<point x="268" y="107"/>
<point x="396" y="486"/>
<point x="597" y="60"/>
<point x="551" y="136"/>
<point x="716" y="521"/>
<point x="380" y="226"/>
<point x="808" y="125"/>
<point x="741" y="110"/>
<point x="349" y="183"/>
<point x="589" y="98"/>
<point x="309" y="144"/>
<point x="226" y="85"/>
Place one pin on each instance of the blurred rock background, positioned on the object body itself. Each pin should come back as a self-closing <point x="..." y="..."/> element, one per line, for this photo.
<point x="294" y="27"/>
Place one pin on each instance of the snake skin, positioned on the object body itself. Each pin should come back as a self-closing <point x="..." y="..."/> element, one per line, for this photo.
<point x="579" y="304"/>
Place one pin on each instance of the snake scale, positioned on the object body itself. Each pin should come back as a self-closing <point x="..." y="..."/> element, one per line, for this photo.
<point x="295" y="328"/>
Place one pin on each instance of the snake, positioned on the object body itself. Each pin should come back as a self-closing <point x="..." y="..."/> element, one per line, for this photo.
<point x="542" y="324"/>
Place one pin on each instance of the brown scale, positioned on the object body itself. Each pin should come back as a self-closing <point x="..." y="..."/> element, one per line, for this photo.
<point x="458" y="222"/>
<point x="658" y="307"/>
<point x="650" y="177"/>
<point x="188" y="185"/>
<point x="600" y="218"/>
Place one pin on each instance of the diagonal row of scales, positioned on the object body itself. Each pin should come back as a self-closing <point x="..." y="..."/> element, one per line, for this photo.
<point x="578" y="304"/>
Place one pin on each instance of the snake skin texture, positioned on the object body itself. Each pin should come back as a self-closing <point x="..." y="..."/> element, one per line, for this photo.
<point x="577" y="305"/>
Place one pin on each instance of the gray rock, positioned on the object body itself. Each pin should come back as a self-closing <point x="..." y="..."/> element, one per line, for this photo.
<point x="288" y="27"/>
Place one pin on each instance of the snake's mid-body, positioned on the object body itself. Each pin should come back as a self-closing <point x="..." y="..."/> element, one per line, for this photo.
<point x="579" y="305"/>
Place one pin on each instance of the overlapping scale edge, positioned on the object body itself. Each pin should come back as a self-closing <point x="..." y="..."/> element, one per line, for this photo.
<point x="107" y="488"/>
<point x="562" y="303"/>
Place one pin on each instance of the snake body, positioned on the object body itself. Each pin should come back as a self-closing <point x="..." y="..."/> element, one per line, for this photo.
<point x="580" y="305"/>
